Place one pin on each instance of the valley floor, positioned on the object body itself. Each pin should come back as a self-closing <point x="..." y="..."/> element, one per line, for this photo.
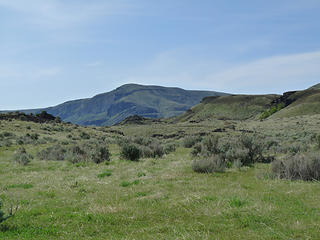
<point x="156" y="198"/>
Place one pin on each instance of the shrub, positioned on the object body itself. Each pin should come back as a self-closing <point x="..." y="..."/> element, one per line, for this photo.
<point x="22" y="157"/>
<point x="130" y="152"/>
<point x="237" y="164"/>
<point x="141" y="140"/>
<point x="190" y="141"/>
<point x="244" y="151"/>
<point x="75" y="154"/>
<point x="72" y="158"/>
<point x="209" y="165"/>
<point x="170" y="147"/>
<point x="157" y="149"/>
<point x="7" y="134"/>
<point x="211" y="144"/>
<point x="34" y="136"/>
<point x="54" y="153"/>
<point x="197" y="150"/>
<point x="100" y="154"/>
<point x="5" y="143"/>
<point x="154" y="150"/>
<point x="207" y="147"/>
<point x="28" y="139"/>
<point x="146" y="152"/>
<point x="236" y="153"/>
<point x="254" y="149"/>
<point x="272" y="111"/>
<point x="84" y="135"/>
<point x="299" y="167"/>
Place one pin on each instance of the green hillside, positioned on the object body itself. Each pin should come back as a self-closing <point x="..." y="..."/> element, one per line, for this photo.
<point x="235" y="107"/>
<point x="317" y="86"/>
<point x="305" y="102"/>
<point x="243" y="107"/>
<point x="130" y="99"/>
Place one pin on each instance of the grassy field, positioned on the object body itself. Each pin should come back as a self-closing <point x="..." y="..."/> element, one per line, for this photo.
<point x="155" y="198"/>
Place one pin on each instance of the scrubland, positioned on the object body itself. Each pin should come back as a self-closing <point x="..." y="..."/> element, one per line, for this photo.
<point x="214" y="179"/>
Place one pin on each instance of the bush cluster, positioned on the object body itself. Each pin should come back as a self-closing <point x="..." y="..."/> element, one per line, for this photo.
<point x="130" y="152"/>
<point x="244" y="151"/>
<point x="170" y="147"/>
<point x="6" y="139"/>
<point x="147" y="148"/>
<point x="52" y="153"/>
<point x="272" y="111"/>
<point x="209" y="165"/>
<point x="100" y="154"/>
<point x="152" y="150"/>
<point x="190" y="141"/>
<point x="76" y="153"/>
<point x="22" y="157"/>
<point x="304" y="166"/>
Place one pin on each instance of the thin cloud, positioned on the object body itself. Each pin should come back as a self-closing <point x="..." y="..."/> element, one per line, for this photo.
<point x="61" y="14"/>
<point x="270" y="74"/>
<point x="18" y="73"/>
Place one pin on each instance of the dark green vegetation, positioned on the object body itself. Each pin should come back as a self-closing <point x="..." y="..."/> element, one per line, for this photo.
<point x="131" y="99"/>
<point x="272" y="110"/>
<point x="220" y="175"/>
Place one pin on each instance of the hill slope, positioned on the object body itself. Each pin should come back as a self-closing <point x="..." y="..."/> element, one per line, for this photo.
<point x="130" y="99"/>
<point x="315" y="87"/>
<point x="305" y="102"/>
<point x="235" y="107"/>
<point x="242" y="107"/>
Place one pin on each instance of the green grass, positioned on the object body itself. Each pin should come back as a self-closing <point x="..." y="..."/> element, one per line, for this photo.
<point x="21" y="185"/>
<point x="157" y="198"/>
<point x="107" y="173"/>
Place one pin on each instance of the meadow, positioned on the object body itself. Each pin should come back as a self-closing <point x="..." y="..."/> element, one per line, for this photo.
<point x="159" y="196"/>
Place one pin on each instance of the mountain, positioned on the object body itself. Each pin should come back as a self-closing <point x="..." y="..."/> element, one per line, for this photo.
<point x="130" y="99"/>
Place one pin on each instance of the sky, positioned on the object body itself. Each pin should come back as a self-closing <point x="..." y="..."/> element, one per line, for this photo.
<point x="52" y="51"/>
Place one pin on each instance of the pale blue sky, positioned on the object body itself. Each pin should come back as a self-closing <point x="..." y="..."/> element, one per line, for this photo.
<point x="52" y="51"/>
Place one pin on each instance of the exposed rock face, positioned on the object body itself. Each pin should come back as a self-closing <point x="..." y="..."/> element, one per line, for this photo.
<point x="38" y="118"/>
<point x="285" y="99"/>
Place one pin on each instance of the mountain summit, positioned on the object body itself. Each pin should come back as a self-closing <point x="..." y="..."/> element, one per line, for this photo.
<point x="130" y="99"/>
